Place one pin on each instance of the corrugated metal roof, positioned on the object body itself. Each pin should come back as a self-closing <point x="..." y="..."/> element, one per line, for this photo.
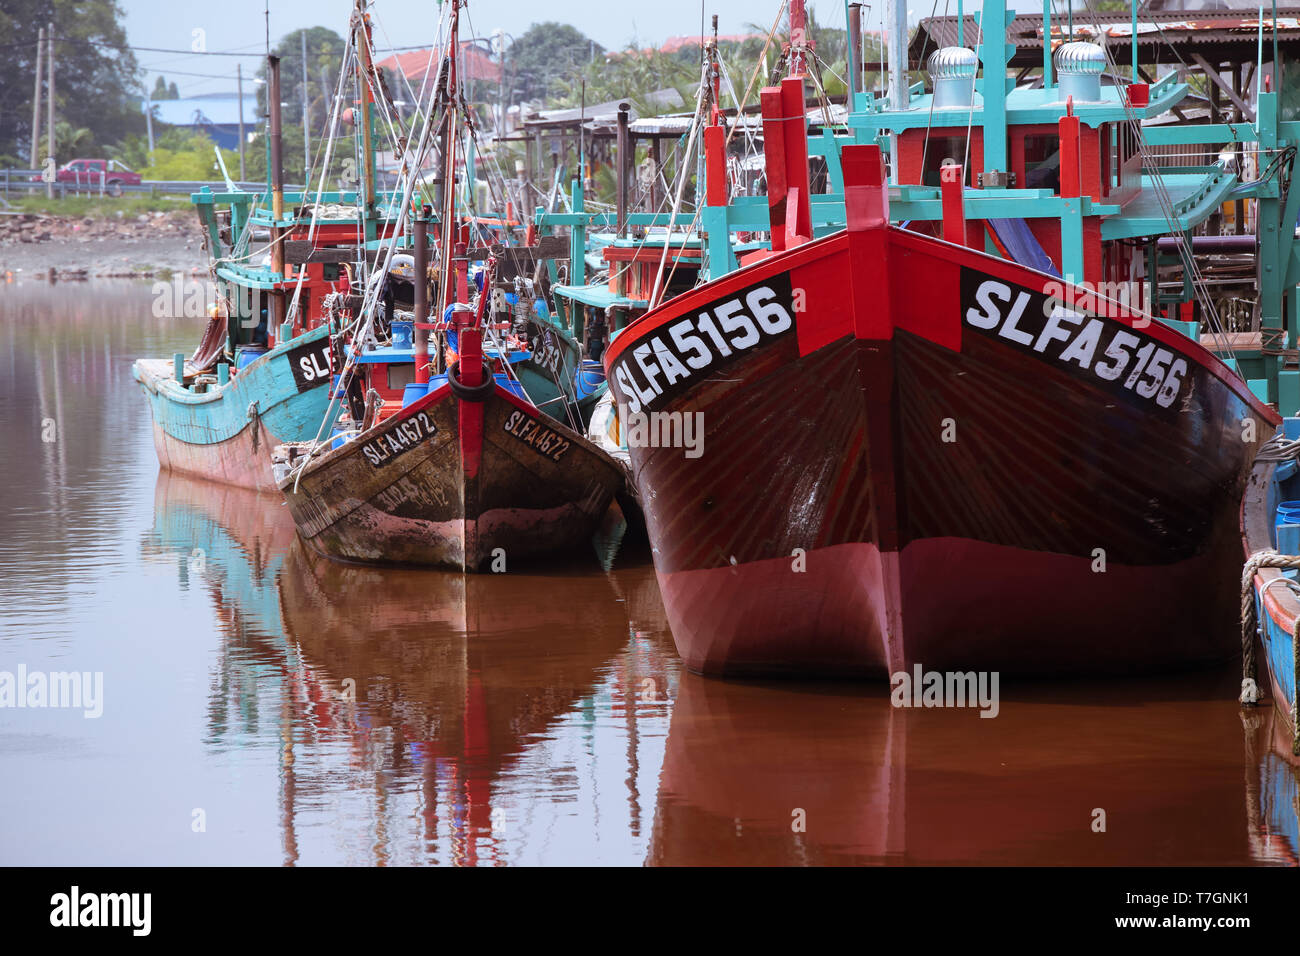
<point x="601" y="114"/>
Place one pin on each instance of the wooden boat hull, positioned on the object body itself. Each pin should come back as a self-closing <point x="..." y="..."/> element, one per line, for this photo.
<point x="893" y="473"/>
<point x="227" y="434"/>
<point x="1277" y="606"/>
<point x="462" y="484"/>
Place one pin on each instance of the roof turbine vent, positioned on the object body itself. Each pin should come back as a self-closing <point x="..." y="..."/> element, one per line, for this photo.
<point x="1078" y="71"/>
<point x="952" y="70"/>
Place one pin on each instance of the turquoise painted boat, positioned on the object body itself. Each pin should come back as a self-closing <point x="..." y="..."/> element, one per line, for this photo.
<point x="223" y="428"/>
<point x="262" y="373"/>
<point x="1270" y="530"/>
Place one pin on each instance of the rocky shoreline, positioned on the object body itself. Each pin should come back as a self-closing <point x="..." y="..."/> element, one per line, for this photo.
<point x="72" y="248"/>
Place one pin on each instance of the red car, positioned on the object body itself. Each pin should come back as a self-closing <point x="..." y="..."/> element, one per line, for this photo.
<point x="93" y="172"/>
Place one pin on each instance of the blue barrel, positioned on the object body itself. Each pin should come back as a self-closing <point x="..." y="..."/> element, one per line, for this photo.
<point x="340" y="438"/>
<point x="1288" y="539"/>
<point x="590" y="376"/>
<point x="511" y="385"/>
<point x="414" y="392"/>
<point x="246" y="355"/>
<point x="403" y="335"/>
<point x="1288" y="512"/>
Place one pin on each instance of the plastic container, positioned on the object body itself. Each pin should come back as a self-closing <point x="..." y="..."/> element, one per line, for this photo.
<point x="1288" y="512"/>
<point x="590" y="376"/>
<point x="510" y="385"/>
<point x="339" y="439"/>
<point x="1288" y="538"/>
<point x="414" y="392"/>
<point x="246" y="355"/>
<point x="403" y="335"/>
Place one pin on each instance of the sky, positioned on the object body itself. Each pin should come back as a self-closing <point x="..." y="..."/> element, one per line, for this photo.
<point x="240" y="25"/>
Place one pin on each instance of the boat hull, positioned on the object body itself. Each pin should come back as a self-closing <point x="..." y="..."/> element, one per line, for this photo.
<point x="1277" y="605"/>
<point x="889" y="478"/>
<point x="227" y="433"/>
<point x="463" y="484"/>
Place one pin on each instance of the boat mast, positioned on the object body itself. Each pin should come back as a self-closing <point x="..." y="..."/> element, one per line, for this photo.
<point x="993" y="54"/>
<point x="451" y="134"/>
<point x="365" y="72"/>
<point x="276" y="317"/>
<point x="798" y="65"/>
<point x="899" y="95"/>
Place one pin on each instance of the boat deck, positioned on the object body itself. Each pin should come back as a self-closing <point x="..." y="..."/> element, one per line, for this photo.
<point x="1237" y="341"/>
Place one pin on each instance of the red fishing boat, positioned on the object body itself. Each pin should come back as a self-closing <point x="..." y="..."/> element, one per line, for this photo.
<point x="916" y="453"/>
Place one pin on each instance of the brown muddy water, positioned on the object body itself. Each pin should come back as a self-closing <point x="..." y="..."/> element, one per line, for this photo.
<point x="261" y="705"/>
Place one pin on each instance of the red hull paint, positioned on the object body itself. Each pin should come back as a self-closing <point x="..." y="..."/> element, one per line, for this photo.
<point x="911" y="457"/>
<point x="757" y="618"/>
<point x="237" y="461"/>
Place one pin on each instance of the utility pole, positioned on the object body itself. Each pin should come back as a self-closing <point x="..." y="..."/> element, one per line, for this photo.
<point x="239" y="81"/>
<point x="36" y="101"/>
<point x="49" y="115"/>
<point x="306" y="149"/>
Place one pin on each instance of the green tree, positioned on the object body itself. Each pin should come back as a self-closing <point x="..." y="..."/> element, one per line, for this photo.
<point x="544" y="51"/>
<point x="71" y="141"/>
<point x="631" y="75"/>
<point x="95" y="71"/>
<point x="324" y="54"/>
<point x="161" y="91"/>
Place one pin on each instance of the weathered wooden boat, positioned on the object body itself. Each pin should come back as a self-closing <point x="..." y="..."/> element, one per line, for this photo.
<point x="468" y="476"/>
<point x="469" y="471"/>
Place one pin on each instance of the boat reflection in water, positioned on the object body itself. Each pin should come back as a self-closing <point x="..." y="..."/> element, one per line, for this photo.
<point x="463" y="720"/>
<point x="1272" y="788"/>
<point x="748" y="765"/>
<point x="411" y="716"/>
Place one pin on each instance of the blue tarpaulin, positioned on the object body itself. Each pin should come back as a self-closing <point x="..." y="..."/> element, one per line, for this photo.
<point x="1017" y="238"/>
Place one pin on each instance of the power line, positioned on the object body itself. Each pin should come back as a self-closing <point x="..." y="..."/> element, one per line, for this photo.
<point x="168" y="72"/>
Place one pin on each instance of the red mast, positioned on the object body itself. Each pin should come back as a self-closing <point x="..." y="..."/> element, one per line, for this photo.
<point x="797" y="51"/>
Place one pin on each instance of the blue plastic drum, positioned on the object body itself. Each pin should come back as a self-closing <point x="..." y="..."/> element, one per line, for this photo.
<point x="403" y="335"/>
<point x="414" y="392"/>
<point x="591" y="375"/>
<point x="1288" y="512"/>
<point x="246" y="355"/>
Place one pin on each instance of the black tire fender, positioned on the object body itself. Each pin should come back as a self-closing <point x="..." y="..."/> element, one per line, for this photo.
<point x="479" y="393"/>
